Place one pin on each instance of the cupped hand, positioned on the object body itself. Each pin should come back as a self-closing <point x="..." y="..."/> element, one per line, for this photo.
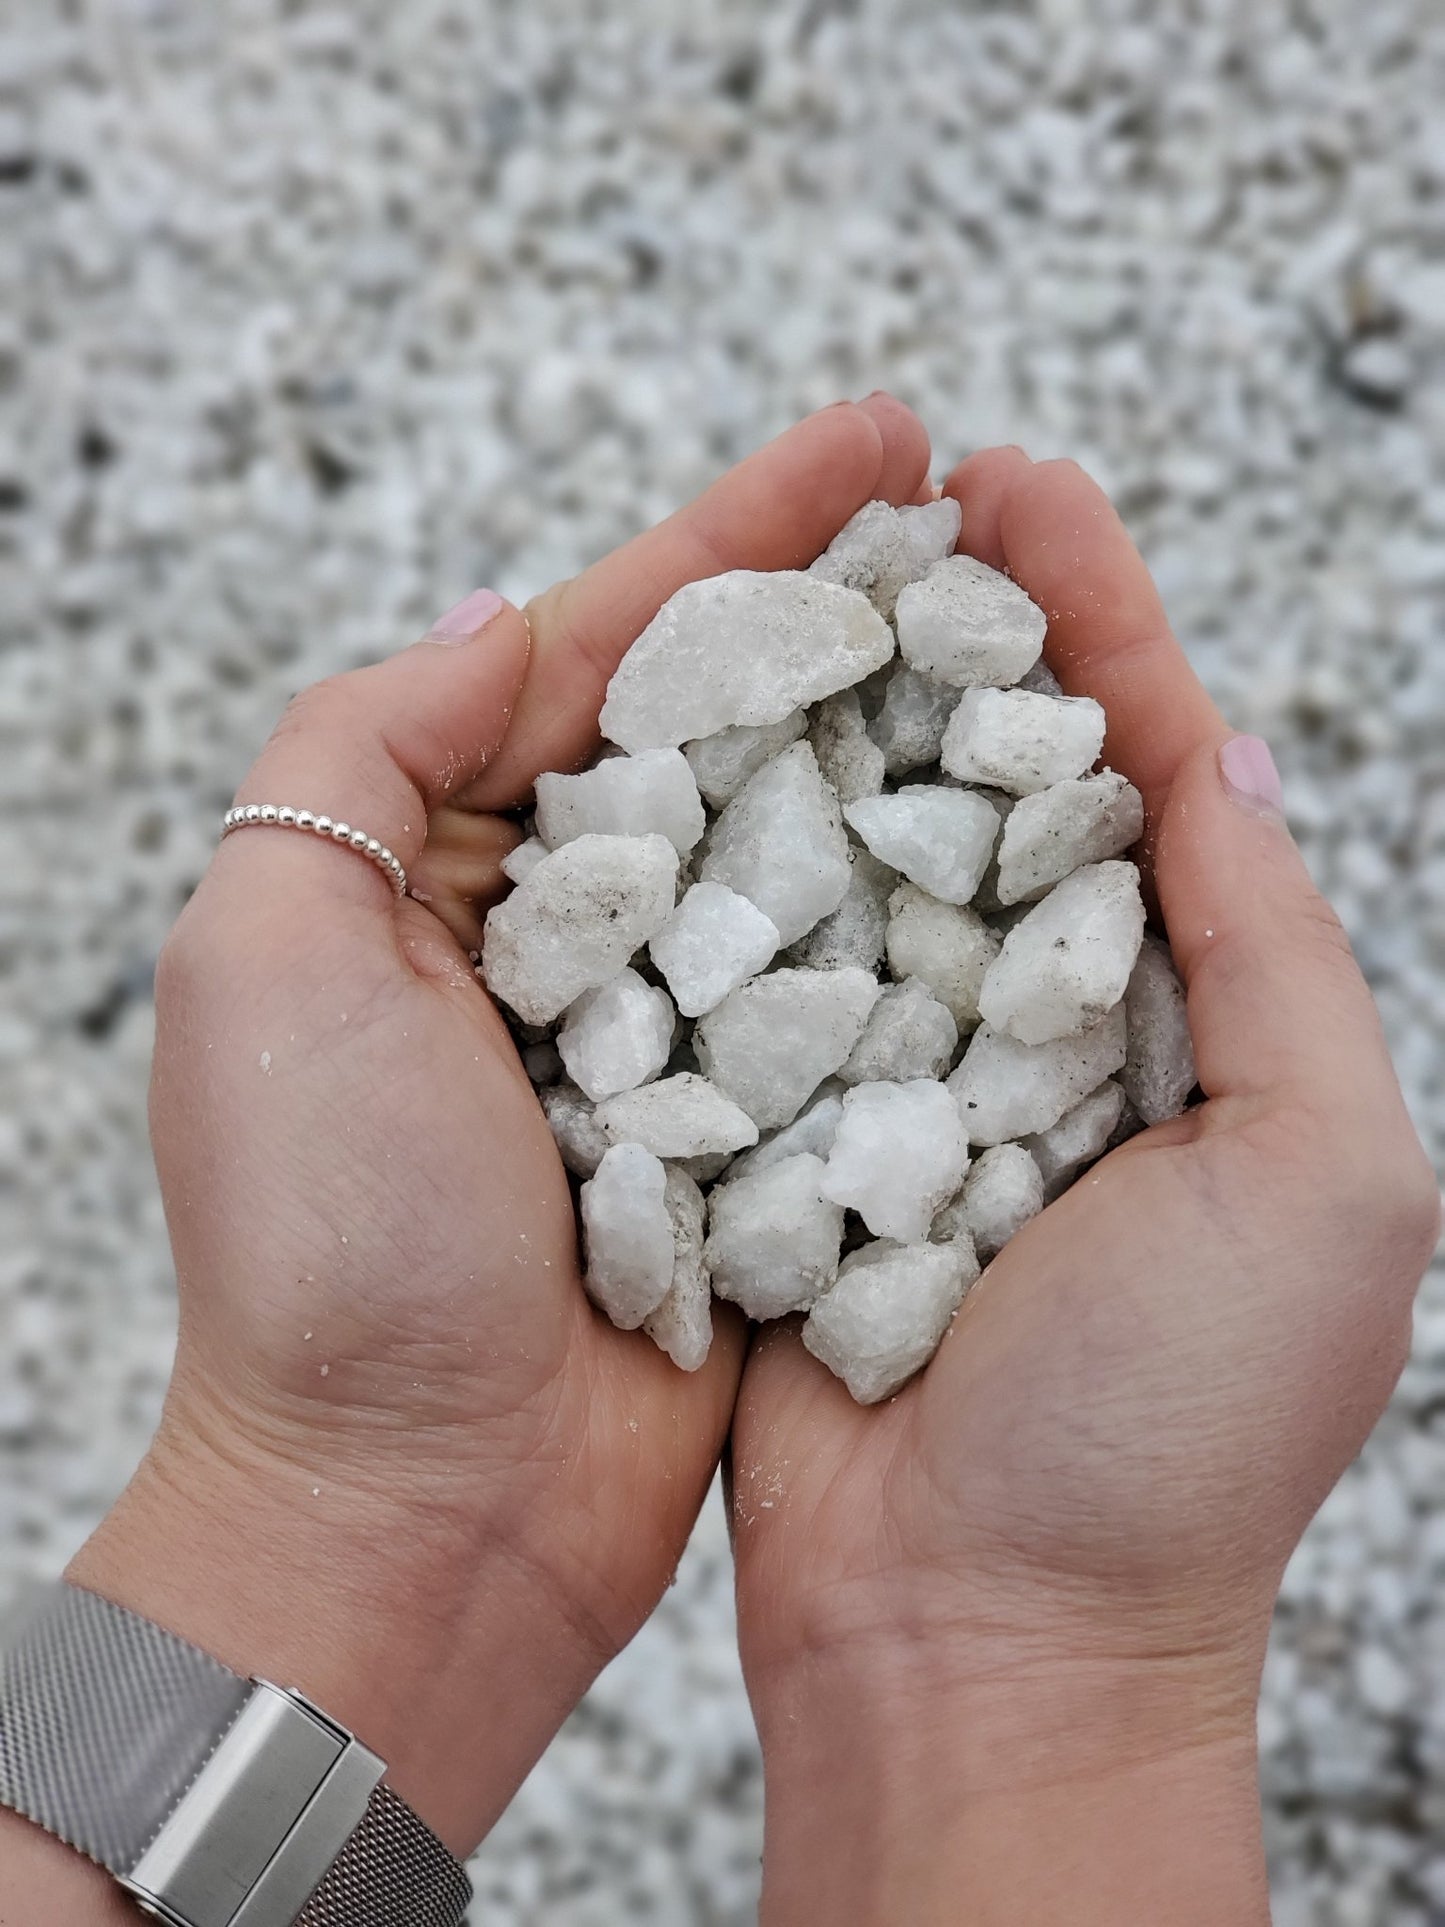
<point x="404" y="1464"/>
<point x="1054" y="1554"/>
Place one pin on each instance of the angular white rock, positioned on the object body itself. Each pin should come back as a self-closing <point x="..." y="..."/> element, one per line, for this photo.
<point x="1048" y="835"/>
<point x="623" y="796"/>
<point x="1158" y="1072"/>
<point x="941" y="839"/>
<point x="1080" y="1136"/>
<point x="572" y="1120"/>
<point x="966" y="624"/>
<point x="574" y="921"/>
<point x="617" y="1036"/>
<point x="1069" y="960"/>
<point x="887" y="1312"/>
<point x="781" y="843"/>
<point x="682" y="1324"/>
<point x="813" y="1130"/>
<point x="683" y="1116"/>
<point x="856" y="931"/>
<point x="1018" y="741"/>
<point x="743" y="647"/>
<point x="946" y="946"/>
<point x="521" y="862"/>
<point x="909" y="727"/>
<point x="713" y="941"/>
<point x="882" y="548"/>
<point x="1002" y="1191"/>
<point x="909" y="1034"/>
<point x="770" y="1043"/>
<point x="773" y="1238"/>
<point x="847" y="755"/>
<point x="721" y="764"/>
<point x="627" y="1235"/>
<point x="1005" y="1089"/>
<point x="899" y="1155"/>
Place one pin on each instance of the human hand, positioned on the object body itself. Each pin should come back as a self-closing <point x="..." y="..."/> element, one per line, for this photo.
<point x="403" y="1464"/>
<point x="1003" y="1635"/>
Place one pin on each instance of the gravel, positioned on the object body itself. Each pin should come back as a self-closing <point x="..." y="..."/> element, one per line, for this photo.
<point x="321" y="316"/>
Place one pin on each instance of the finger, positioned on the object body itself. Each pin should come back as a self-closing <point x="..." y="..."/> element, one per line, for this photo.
<point x="776" y="510"/>
<point x="1277" y="1005"/>
<point x="458" y="875"/>
<point x="379" y="749"/>
<point x="978" y="485"/>
<point x="1108" y="635"/>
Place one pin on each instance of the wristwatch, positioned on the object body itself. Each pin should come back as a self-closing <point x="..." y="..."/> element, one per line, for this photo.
<point x="216" y="1801"/>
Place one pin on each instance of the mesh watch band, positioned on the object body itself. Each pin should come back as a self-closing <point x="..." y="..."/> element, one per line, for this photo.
<point x="109" y="1729"/>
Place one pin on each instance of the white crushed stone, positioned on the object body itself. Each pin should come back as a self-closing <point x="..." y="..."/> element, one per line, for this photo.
<point x="856" y="932"/>
<point x="1021" y="741"/>
<point x="627" y="1234"/>
<point x="721" y="764"/>
<point x="616" y="1036"/>
<point x="572" y="1119"/>
<point x="1080" y="1136"/>
<point x="899" y="1154"/>
<point x="781" y="844"/>
<point x="682" y="1324"/>
<point x="883" y="1318"/>
<point x="574" y="921"/>
<point x="910" y="724"/>
<point x="770" y="1043"/>
<point x="742" y="647"/>
<point x="1158" y="1072"/>
<point x="966" y="624"/>
<point x="1086" y="819"/>
<point x="882" y="549"/>
<point x="909" y="1034"/>
<point x="773" y="1238"/>
<point x="683" y="1116"/>
<point x="940" y="839"/>
<point x="714" y="940"/>
<point x="847" y="756"/>
<point x="947" y="946"/>
<point x="654" y="792"/>
<point x="813" y="1129"/>
<point x="1003" y="1190"/>
<point x="1005" y="1089"/>
<point x="1067" y="963"/>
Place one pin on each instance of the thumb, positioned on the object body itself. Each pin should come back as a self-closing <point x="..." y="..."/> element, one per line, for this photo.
<point x="1277" y="1004"/>
<point x="377" y="750"/>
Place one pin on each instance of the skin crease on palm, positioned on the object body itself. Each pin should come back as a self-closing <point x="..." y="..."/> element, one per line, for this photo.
<point x="392" y="1396"/>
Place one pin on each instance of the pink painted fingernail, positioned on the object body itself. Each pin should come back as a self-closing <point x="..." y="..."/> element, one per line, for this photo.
<point x="472" y="613"/>
<point x="1249" y="775"/>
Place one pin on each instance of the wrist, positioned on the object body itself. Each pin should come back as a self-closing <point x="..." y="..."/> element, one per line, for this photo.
<point x="1075" y="1793"/>
<point x="422" y="1622"/>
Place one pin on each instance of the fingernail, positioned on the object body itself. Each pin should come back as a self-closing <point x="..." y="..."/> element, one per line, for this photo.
<point x="472" y="613"/>
<point x="1249" y="775"/>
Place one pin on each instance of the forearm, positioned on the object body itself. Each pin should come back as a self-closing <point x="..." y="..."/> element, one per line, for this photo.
<point x="1076" y="1802"/>
<point x="431" y="1637"/>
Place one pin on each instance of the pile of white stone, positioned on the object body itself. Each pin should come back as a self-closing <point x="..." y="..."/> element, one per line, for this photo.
<point x="829" y="973"/>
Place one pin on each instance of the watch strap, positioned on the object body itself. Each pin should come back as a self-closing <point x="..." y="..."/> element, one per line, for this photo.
<point x="108" y="1722"/>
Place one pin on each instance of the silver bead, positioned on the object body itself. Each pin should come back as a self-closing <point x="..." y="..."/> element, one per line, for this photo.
<point x="286" y="815"/>
<point x="305" y="820"/>
<point x="386" y="856"/>
<point x="341" y="832"/>
<point x="372" y="847"/>
<point x="358" y="839"/>
<point x="253" y="813"/>
<point x="268" y="812"/>
<point x="322" y="826"/>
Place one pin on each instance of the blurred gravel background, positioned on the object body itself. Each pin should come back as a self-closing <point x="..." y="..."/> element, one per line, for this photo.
<point x="314" y="317"/>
